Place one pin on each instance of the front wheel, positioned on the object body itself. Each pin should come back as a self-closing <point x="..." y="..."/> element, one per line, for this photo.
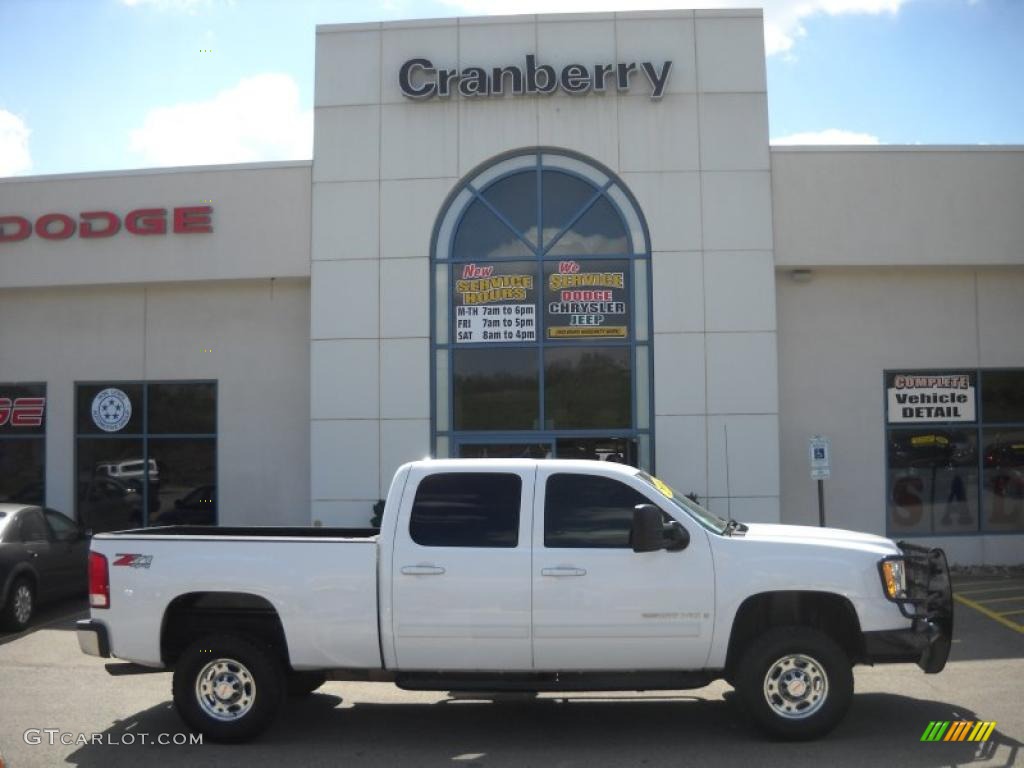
<point x="795" y="682"/>
<point x="228" y="688"/>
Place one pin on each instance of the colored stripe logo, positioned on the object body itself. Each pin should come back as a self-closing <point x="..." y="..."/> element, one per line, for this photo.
<point x="958" y="730"/>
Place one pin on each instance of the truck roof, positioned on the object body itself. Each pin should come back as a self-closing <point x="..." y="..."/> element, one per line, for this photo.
<point x="577" y="465"/>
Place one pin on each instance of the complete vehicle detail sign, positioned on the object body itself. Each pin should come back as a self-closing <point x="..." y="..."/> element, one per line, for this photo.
<point x="926" y="398"/>
<point x="420" y="79"/>
<point x="495" y="303"/>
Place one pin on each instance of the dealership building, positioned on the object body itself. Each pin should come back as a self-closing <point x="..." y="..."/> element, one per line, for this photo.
<point x="548" y="236"/>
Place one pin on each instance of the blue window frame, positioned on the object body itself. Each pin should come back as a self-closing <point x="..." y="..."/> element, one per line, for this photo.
<point x="541" y="313"/>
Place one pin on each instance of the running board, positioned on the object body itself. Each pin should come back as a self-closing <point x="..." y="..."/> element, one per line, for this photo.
<point x="524" y="682"/>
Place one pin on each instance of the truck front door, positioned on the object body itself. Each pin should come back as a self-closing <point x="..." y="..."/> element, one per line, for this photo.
<point x="597" y="605"/>
<point x="461" y="570"/>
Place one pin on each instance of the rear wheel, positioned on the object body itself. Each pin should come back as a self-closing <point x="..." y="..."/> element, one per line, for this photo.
<point x="17" y="613"/>
<point x="228" y="688"/>
<point x="795" y="682"/>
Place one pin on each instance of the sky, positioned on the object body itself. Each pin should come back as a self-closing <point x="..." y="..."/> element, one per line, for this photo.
<point x="92" y="85"/>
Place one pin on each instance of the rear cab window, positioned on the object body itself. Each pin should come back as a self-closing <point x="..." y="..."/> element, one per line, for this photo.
<point x="467" y="509"/>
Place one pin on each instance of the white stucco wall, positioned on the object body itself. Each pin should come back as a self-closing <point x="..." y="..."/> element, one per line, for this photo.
<point x="260" y="226"/>
<point x="838" y="333"/>
<point x="697" y="161"/>
<point x="257" y="331"/>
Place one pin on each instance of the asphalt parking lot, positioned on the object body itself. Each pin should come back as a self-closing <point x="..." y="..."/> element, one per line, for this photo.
<point x="46" y="683"/>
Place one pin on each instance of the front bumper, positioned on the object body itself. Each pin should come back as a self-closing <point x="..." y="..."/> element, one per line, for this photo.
<point x="93" y="638"/>
<point x="929" y="605"/>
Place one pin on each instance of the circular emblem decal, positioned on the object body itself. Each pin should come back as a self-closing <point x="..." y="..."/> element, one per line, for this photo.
<point x="111" y="410"/>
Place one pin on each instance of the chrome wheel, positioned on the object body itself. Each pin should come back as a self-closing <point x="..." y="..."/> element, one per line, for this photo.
<point x="796" y="686"/>
<point x="225" y="689"/>
<point x="22" y="603"/>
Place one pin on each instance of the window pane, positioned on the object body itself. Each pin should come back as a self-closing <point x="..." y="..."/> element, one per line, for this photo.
<point x="63" y="528"/>
<point x="933" y="481"/>
<point x="482" y="235"/>
<point x="1003" y="489"/>
<point x="515" y="197"/>
<point x="23" y="471"/>
<point x="495" y="303"/>
<point x="597" y="231"/>
<point x="564" y="196"/>
<point x="496" y="389"/>
<point x="618" y="449"/>
<point x="184" y="409"/>
<point x="586" y="299"/>
<point x="587" y="388"/>
<point x="186" y="493"/>
<point x="462" y="509"/>
<point x="32" y="526"/>
<point x="505" y="451"/>
<point x="109" y="409"/>
<point x="588" y="511"/>
<point x="1002" y="396"/>
<point x="111" y="483"/>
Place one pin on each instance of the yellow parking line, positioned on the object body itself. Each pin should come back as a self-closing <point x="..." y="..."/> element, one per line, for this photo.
<point x="990" y="613"/>
<point x="989" y="589"/>
<point x="1002" y="599"/>
<point x="968" y="583"/>
<point x="1011" y="613"/>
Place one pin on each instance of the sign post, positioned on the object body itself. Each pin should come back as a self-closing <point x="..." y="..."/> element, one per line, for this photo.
<point x="821" y="470"/>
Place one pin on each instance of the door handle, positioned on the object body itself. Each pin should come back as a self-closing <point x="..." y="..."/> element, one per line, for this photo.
<point x="564" y="570"/>
<point x="422" y="570"/>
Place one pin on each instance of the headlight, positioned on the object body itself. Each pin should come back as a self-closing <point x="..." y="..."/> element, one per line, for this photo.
<point x="894" y="579"/>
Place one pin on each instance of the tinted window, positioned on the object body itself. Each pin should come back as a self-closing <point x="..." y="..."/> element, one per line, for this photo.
<point x="63" y="528"/>
<point x="32" y="526"/>
<point x="496" y="389"/>
<point x="588" y="511"/>
<point x="184" y="409"/>
<point x="588" y="387"/>
<point x="466" y="510"/>
<point x="1002" y="396"/>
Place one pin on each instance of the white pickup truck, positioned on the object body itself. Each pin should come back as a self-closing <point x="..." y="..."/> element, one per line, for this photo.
<point x="517" y="575"/>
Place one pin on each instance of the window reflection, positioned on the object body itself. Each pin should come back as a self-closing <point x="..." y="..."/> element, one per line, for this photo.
<point x="496" y="388"/>
<point x="516" y="197"/>
<point x="1003" y="491"/>
<point x="482" y="235"/>
<point x="563" y="196"/>
<point x="933" y="481"/>
<point x="598" y="231"/>
<point x="587" y="388"/>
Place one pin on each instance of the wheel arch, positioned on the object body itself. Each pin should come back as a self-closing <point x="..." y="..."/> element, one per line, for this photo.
<point x="195" y="614"/>
<point x="829" y="612"/>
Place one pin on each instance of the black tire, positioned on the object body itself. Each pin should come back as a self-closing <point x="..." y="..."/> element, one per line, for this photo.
<point x="251" y="682"/>
<point x="304" y="683"/>
<point x="811" y="683"/>
<point x="20" y="606"/>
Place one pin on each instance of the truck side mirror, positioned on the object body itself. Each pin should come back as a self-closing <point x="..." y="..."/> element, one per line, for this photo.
<point x="648" y="532"/>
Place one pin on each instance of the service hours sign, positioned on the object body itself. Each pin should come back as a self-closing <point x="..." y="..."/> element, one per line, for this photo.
<point x="495" y="303"/>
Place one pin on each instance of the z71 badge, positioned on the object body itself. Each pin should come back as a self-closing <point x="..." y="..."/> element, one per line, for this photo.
<point x="133" y="561"/>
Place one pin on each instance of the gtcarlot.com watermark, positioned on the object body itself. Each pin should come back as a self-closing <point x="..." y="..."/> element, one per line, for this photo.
<point x="54" y="736"/>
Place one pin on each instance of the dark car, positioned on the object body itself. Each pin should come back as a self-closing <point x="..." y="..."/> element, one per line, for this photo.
<point x="110" y="504"/>
<point x="197" y="507"/>
<point x="43" y="557"/>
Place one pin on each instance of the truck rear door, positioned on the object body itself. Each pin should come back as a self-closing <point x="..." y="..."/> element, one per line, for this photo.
<point x="461" y="569"/>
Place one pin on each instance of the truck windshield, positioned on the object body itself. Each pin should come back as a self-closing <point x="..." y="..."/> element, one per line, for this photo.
<point x="708" y="519"/>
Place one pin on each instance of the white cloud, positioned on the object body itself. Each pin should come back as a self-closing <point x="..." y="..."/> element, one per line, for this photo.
<point x="830" y="136"/>
<point x="258" y="119"/>
<point x="783" y="19"/>
<point x="14" y="154"/>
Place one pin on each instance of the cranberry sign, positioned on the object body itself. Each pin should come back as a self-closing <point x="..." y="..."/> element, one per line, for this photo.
<point x="183" y="220"/>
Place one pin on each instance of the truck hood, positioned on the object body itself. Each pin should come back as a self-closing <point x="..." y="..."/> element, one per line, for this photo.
<point x="826" y="537"/>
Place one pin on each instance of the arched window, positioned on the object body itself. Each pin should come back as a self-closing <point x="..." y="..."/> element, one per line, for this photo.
<point x="541" y="314"/>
